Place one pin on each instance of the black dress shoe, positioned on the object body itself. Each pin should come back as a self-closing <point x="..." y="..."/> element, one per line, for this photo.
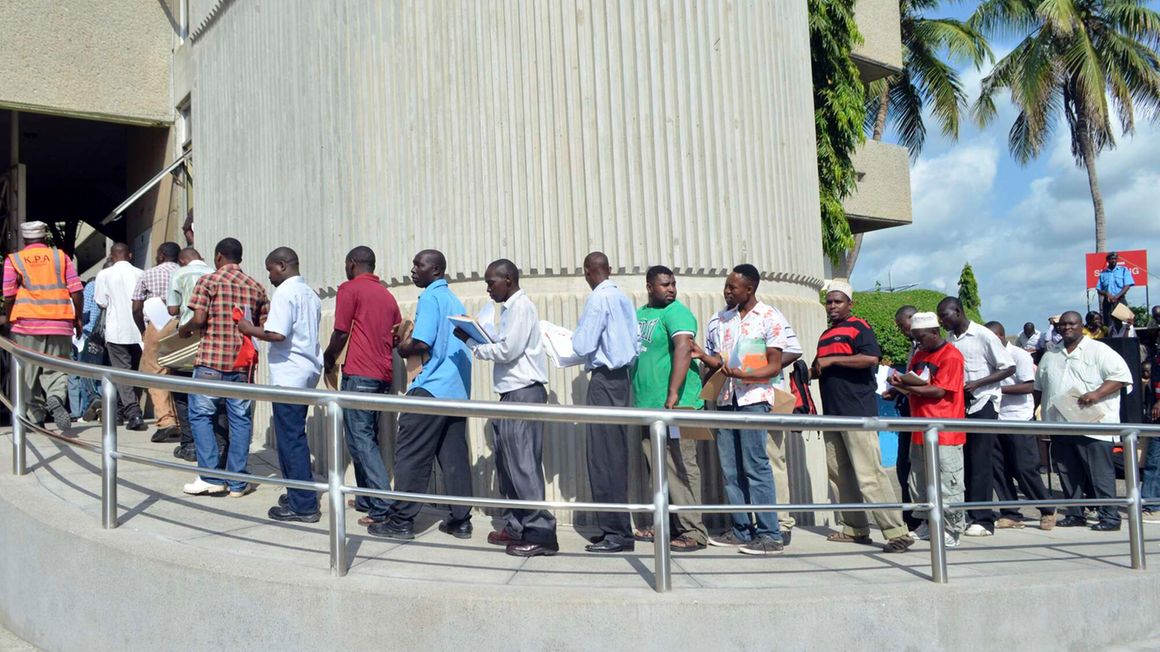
<point x="187" y="453"/>
<point x="786" y="535"/>
<point x="532" y="549"/>
<point x="610" y="547"/>
<point x="136" y="423"/>
<point x="284" y="500"/>
<point x="458" y="529"/>
<point x="164" y="434"/>
<point x="1104" y="526"/>
<point x="281" y="513"/>
<point x="388" y="530"/>
<point x="1072" y="521"/>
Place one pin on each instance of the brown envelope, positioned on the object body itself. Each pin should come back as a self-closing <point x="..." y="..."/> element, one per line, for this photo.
<point x="712" y="387"/>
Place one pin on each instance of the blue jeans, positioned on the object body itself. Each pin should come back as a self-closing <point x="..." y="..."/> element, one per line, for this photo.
<point x="81" y="392"/>
<point x="1150" y="487"/>
<point x="201" y="419"/>
<point x="294" y="454"/>
<point x="748" y="475"/>
<point x="362" y="440"/>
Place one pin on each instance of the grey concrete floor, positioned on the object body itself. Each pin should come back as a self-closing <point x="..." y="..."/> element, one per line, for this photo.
<point x="9" y="642"/>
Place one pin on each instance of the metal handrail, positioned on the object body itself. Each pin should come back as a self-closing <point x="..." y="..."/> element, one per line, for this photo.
<point x="658" y="422"/>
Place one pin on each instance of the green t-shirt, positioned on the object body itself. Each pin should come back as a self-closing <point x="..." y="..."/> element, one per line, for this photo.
<point x="650" y="377"/>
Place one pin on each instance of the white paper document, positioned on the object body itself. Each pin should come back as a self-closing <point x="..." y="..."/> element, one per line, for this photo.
<point x="156" y="312"/>
<point x="558" y="345"/>
<point x="1068" y="407"/>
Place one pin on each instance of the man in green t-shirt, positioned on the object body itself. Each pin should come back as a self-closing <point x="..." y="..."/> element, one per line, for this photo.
<point x="664" y="377"/>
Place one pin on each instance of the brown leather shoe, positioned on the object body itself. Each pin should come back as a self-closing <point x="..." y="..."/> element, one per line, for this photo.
<point x="685" y="543"/>
<point x="503" y="538"/>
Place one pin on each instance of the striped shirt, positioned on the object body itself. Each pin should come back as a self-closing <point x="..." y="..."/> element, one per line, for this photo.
<point x="41" y="326"/>
<point x="846" y="391"/>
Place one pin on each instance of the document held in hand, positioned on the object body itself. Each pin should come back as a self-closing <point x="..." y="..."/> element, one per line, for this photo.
<point x="1068" y="407"/>
<point x="470" y="327"/>
<point x="558" y="345"/>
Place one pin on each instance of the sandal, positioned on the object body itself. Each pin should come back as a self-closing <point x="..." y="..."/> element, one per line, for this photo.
<point x="367" y="521"/>
<point x="643" y="535"/>
<point x="842" y="537"/>
<point x="898" y="544"/>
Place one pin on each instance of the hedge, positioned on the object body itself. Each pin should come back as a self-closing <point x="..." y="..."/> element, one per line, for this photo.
<point x="878" y="309"/>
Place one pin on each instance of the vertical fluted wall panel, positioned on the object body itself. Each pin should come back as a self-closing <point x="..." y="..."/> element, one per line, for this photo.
<point x="672" y="131"/>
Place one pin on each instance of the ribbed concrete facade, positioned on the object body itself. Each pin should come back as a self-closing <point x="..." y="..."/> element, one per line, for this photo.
<point x="672" y="133"/>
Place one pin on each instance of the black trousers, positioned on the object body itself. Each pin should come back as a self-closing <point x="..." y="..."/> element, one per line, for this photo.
<point x="1017" y="462"/>
<point x="125" y="356"/>
<point x="423" y="439"/>
<point x="979" y="460"/>
<point x="902" y="468"/>
<point x="1086" y="470"/>
<point x="607" y="448"/>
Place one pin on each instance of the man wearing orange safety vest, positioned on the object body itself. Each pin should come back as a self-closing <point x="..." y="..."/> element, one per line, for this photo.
<point x="43" y="302"/>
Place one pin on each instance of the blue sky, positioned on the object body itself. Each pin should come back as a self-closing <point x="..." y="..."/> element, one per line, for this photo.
<point x="1024" y="229"/>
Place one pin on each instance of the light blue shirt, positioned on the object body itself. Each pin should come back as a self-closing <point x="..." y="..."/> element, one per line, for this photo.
<point x="447" y="371"/>
<point x="1113" y="281"/>
<point x="607" y="334"/>
<point x="295" y="311"/>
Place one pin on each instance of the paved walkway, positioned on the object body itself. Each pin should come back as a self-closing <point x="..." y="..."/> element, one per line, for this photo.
<point x="9" y="642"/>
<point x="151" y="504"/>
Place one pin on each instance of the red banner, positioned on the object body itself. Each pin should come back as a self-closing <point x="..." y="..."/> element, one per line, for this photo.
<point x="1136" y="261"/>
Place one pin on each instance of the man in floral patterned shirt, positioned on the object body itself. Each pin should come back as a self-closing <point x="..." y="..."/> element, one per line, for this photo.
<point x="747" y="347"/>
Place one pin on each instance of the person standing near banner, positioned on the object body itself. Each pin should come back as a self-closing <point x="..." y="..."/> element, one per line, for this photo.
<point x="1113" y="285"/>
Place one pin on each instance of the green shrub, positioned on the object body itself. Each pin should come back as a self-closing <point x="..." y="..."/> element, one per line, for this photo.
<point x="878" y="309"/>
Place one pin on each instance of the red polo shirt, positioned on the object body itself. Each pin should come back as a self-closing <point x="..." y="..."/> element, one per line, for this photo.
<point x="946" y="371"/>
<point x="367" y="310"/>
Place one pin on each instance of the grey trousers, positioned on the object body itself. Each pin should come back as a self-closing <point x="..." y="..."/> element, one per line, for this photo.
<point x="1086" y="471"/>
<point x="41" y="385"/>
<point x="520" y="470"/>
<point x="125" y="356"/>
<point x="607" y="449"/>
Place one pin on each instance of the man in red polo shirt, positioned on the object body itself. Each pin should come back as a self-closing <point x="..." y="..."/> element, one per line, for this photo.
<point x="365" y="316"/>
<point x="940" y="397"/>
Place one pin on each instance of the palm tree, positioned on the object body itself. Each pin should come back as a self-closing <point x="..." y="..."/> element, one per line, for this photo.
<point x="926" y="80"/>
<point x="1080" y="58"/>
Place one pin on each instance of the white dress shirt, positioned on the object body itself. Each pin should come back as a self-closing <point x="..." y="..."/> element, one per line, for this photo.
<point x="114" y="293"/>
<point x="1018" y="407"/>
<point x="1086" y="368"/>
<point x="295" y="311"/>
<point x="518" y="352"/>
<point x="983" y="355"/>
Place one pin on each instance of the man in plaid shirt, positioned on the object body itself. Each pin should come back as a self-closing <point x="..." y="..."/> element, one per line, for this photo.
<point x="219" y="300"/>
<point x="154" y="283"/>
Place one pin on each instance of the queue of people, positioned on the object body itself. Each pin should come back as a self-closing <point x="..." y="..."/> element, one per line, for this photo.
<point x="646" y="357"/>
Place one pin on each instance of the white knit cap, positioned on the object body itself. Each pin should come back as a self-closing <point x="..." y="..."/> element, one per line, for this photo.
<point x="921" y="320"/>
<point x="34" y="230"/>
<point x="840" y="285"/>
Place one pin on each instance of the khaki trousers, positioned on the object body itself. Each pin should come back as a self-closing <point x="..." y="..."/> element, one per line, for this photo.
<point x="41" y="385"/>
<point x="684" y="485"/>
<point x="775" y="449"/>
<point x="163" y="409"/>
<point x="854" y="465"/>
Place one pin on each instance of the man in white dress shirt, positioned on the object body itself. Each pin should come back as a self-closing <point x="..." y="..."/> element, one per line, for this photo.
<point x="519" y="376"/>
<point x="114" y="293"/>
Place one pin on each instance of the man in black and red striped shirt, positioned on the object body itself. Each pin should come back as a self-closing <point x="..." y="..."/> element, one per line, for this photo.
<point x="848" y="355"/>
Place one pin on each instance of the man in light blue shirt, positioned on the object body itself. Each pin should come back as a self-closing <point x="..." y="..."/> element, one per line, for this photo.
<point x="291" y="328"/>
<point x="424" y="438"/>
<point x="1113" y="285"/>
<point x="607" y="339"/>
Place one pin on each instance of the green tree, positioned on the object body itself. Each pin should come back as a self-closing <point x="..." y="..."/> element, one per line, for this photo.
<point x="1078" y="58"/>
<point x="969" y="289"/>
<point x="928" y="81"/>
<point x="838" y="115"/>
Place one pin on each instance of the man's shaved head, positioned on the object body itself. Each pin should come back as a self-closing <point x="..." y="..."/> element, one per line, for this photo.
<point x="188" y="255"/>
<point x="435" y="258"/>
<point x="596" y="260"/>
<point x="119" y="252"/>
<point x="596" y="269"/>
<point x="284" y="255"/>
<point x="363" y="257"/>
<point x="505" y="267"/>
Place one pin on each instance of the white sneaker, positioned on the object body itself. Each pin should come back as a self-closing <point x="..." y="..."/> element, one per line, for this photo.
<point x="247" y="490"/>
<point x="920" y="533"/>
<point x="976" y="530"/>
<point x="950" y="540"/>
<point x="200" y="487"/>
<point x="1152" y="516"/>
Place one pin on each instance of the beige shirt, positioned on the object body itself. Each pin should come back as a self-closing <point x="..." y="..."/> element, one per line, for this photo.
<point x="1086" y="368"/>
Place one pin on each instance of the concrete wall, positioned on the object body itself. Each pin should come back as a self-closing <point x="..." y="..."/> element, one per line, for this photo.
<point x="658" y="132"/>
<point x="883" y="196"/>
<point x="880" y="54"/>
<point x="102" y="59"/>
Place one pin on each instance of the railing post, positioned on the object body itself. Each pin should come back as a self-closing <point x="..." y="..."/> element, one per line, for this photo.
<point x="19" y="448"/>
<point x="334" y="437"/>
<point x="1131" y="440"/>
<point x="662" y="555"/>
<point x="108" y="454"/>
<point x="935" y="523"/>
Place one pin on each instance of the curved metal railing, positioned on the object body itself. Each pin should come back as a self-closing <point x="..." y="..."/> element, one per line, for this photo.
<point x="657" y="421"/>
